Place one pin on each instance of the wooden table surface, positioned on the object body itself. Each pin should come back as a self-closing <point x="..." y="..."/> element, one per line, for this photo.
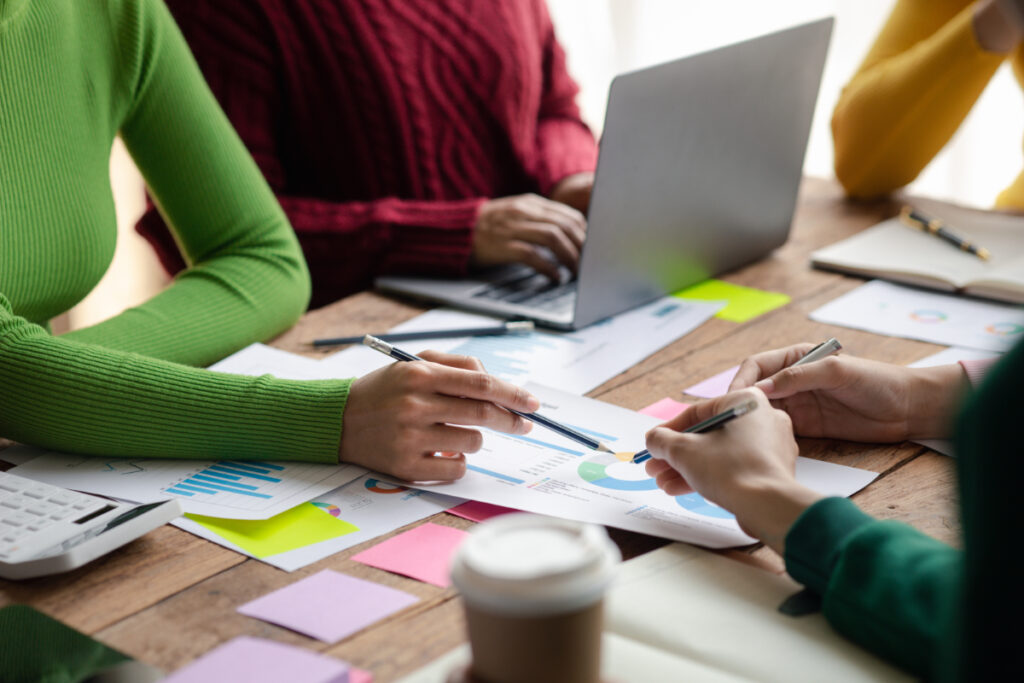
<point x="170" y="596"/>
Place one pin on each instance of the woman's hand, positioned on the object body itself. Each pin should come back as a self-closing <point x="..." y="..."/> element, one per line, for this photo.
<point x="850" y="398"/>
<point x="513" y="230"/>
<point x="575" y="191"/>
<point x="747" y="466"/>
<point x="397" y="418"/>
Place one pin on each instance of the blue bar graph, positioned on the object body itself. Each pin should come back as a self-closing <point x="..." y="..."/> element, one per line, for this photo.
<point x="496" y="475"/>
<point x="229" y="476"/>
<point x="545" y="444"/>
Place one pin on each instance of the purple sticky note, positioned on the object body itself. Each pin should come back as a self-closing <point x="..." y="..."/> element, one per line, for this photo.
<point x="665" y="409"/>
<point x="256" y="660"/>
<point x="328" y="606"/>
<point x="713" y="386"/>
<point x="475" y="511"/>
<point x="422" y="553"/>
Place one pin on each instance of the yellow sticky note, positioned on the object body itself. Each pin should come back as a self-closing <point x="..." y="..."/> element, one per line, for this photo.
<point x="744" y="302"/>
<point x="301" y="526"/>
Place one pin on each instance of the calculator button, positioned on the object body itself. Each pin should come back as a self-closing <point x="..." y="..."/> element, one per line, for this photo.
<point x="62" y="514"/>
<point x="36" y="493"/>
<point x="7" y="487"/>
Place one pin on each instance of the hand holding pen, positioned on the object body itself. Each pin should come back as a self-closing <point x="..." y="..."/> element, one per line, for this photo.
<point x="566" y="431"/>
<point x="845" y="397"/>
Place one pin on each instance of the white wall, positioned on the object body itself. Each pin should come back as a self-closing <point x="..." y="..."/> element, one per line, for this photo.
<point x="605" y="37"/>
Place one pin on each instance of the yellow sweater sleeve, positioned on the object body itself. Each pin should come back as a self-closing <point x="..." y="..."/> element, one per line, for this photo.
<point x="910" y="94"/>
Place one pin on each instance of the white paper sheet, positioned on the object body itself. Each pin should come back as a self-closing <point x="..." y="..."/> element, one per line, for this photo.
<point x="259" y="359"/>
<point x="230" y="489"/>
<point x="575" y="361"/>
<point x="376" y="507"/>
<point x="548" y="474"/>
<point x="899" y="311"/>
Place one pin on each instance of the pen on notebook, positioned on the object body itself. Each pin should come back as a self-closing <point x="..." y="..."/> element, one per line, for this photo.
<point x="511" y="327"/>
<point x="707" y="425"/>
<point x="569" y="433"/>
<point x="921" y="221"/>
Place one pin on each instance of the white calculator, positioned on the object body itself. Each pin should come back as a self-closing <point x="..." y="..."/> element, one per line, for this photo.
<point x="47" y="529"/>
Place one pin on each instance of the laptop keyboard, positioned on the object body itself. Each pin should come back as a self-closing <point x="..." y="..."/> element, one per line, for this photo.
<point x="533" y="290"/>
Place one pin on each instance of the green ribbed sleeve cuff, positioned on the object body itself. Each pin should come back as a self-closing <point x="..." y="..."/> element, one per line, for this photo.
<point x="816" y="539"/>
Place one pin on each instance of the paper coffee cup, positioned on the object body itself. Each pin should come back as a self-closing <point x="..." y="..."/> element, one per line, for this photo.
<point x="533" y="589"/>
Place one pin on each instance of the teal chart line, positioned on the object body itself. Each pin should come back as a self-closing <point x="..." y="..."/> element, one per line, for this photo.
<point x="545" y="444"/>
<point x="599" y="435"/>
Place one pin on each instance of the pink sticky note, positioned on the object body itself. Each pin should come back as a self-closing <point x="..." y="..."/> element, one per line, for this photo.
<point x="257" y="660"/>
<point x="713" y="386"/>
<point x="422" y="553"/>
<point x="665" y="409"/>
<point x="475" y="511"/>
<point x="359" y="676"/>
<point x="328" y="605"/>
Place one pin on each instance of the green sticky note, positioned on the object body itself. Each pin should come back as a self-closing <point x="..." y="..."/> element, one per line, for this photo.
<point x="744" y="302"/>
<point x="303" y="525"/>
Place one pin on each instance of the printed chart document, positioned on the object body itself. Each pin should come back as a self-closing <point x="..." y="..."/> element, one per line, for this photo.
<point x="260" y="359"/>
<point x="372" y="507"/>
<point x="899" y="311"/>
<point x="231" y="489"/>
<point x="575" y="361"/>
<point x="684" y="614"/>
<point x="545" y="473"/>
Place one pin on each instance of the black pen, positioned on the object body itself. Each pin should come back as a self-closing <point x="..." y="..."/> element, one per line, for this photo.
<point x="537" y="418"/>
<point x="917" y="219"/>
<point x="707" y="425"/>
<point x="510" y="327"/>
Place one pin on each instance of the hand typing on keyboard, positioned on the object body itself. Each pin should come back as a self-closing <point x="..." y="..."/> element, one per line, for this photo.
<point x="524" y="229"/>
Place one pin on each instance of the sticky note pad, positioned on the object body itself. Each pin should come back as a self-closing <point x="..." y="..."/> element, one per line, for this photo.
<point x="714" y="386"/>
<point x="422" y="553"/>
<point x="257" y="660"/>
<point x="744" y="303"/>
<point x="328" y="605"/>
<point x="296" y="528"/>
<point x="475" y="511"/>
<point x="665" y="409"/>
<point x="359" y="676"/>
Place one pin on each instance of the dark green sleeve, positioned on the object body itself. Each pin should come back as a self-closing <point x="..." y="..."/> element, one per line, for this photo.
<point x="883" y="584"/>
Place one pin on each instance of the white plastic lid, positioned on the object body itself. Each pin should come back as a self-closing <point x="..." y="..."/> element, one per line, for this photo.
<point x="526" y="564"/>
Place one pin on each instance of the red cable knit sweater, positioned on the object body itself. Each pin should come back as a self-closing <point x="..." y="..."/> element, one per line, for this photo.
<point x="383" y="125"/>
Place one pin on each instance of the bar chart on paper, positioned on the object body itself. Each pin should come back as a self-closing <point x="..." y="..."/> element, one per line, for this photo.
<point x="232" y="489"/>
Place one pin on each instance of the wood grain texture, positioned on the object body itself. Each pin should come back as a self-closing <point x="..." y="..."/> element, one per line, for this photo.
<point x="170" y="597"/>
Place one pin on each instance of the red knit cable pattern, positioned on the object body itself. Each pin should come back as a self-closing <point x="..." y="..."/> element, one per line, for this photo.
<point x="383" y="125"/>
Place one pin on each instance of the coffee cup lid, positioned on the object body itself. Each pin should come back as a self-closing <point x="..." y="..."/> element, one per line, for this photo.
<point x="533" y="565"/>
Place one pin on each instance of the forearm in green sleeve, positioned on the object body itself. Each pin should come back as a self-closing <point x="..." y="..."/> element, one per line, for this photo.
<point x="81" y="398"/>
<point x="884" y="584"/>
<point x="248" y="280"/>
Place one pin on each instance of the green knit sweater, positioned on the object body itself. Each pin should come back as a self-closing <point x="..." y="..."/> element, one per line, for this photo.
<point x="73" y="74"/>
<point x="940" y="613"/>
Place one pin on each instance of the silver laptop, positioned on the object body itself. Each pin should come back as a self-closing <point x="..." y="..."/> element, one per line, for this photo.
<point x="699" y="168"/>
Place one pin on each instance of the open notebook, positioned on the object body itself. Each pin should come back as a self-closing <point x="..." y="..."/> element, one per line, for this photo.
<point x="892" y="250"/>
<point x="685" y="614"/>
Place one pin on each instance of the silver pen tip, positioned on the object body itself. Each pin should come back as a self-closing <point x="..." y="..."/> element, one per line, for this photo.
<point x="376" y="344"/>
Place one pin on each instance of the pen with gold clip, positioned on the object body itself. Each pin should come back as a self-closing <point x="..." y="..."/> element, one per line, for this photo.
<point x="926" y="223"/>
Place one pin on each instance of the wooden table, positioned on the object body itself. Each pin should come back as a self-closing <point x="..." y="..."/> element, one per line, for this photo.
<point x="170" y="596"/>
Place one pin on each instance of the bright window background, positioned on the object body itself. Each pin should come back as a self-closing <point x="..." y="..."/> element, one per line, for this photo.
<point x="606" y="37"/>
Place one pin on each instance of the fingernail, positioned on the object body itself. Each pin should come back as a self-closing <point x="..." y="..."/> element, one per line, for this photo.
<point x="767" y="385"/>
